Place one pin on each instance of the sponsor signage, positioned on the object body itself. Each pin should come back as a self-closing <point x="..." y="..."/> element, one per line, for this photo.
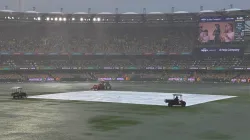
<point x="240" y="80"/>
<point x="204" y="51"/>
<point x="110" y="79"/>
<point x="181" y="79"/>
<point x="40" y="79"/>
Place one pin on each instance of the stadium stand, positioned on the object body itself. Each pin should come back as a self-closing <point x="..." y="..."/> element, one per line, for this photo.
<point x="132" y="47"/>
<point x="95" y="39"/>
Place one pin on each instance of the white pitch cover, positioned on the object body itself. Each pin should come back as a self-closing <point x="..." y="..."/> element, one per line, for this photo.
<point x="131" y="97"/>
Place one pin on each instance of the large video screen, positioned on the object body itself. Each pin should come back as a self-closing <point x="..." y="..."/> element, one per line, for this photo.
<point x="247" y="30"/>
<point x="221" y="29"/>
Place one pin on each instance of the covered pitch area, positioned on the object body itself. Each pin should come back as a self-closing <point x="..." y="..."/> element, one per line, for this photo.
<point x="75" y="119"/>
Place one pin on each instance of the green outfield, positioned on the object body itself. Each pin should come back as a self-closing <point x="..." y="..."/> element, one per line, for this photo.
<point x="36" y="119"/>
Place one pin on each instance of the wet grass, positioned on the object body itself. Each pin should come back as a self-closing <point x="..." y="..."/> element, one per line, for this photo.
<point x="107" y="123"/>
<point x="214" y="135"/>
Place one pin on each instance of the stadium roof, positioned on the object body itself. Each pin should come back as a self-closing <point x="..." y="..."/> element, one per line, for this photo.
<point x="130" y="13"/>
<point x="207" y="11"/>
<point x="80" y="13"/>
<point x="181" y="12"/>
<point x="7" y="11"/>
<point x="56" y="13"/>
<point x="155" y="13"/>
<point x="225" y="12"/>
<point x="105" y="13"/>
<point x="33" y="12"/>
<point x="233" y="9"/>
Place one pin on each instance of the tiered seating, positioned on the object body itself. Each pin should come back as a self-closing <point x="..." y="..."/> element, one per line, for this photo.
<point x="89" y="39"/>
<point x="10" y="76"/>
<point x="36" y="76"/>
<point x="62" y="75"/>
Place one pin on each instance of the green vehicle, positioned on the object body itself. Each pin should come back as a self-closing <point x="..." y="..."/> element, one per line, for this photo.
<point x="17" y="93"/>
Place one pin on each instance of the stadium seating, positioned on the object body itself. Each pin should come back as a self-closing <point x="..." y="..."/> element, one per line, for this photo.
<point x="95" y="39"/>
<point x="184" y="63"/>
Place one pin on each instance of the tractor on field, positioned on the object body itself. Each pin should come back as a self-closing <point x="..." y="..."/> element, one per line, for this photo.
<point x="103" y="85"/>
<point x="17" y="93"/>
<point x="176" y="101"/>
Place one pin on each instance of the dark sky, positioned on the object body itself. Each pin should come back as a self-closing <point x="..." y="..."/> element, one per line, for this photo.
<point x="123" y="5"/>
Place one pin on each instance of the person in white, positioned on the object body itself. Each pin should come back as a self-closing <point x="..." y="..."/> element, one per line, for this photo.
<point x="205" y="37"/>
<point x="229" y="33"/>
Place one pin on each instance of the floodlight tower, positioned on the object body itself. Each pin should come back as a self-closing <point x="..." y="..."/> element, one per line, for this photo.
<point x="231" y="6"/>
<point x="6" y="7"/>
<point x="201" y="8"/>
<point x="173" y="9"/>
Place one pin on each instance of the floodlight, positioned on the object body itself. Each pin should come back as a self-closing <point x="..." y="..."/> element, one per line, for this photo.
<point x="98" y="19"/>
<point x="60" y="19"/>
<point x="47" y="18"/>
<point x="94" y="19"/>
<point x="51" y="19"/>
<point x="64" y="19"/>
<point x="74" y="19"/>
<point x="56" y="19"/>
<point x="81" y="19"/>
<point x="38" y="18"/>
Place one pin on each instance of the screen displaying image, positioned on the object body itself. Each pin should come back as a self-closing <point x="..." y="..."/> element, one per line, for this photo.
<point x="217" y="32"/>
<point x="221" y="29"/>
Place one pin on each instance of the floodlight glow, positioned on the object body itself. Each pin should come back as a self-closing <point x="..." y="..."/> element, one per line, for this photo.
<point x="13" y="18"/>
<point x="51" y="19"/>
<point x="56" y="19"/>
<point x="60" y="19"/>
<point x="81" y="19"/>
<point x="34" y="18"/>
<point x="47" y="18"/>
<point x="98" y="19"/>
<point x="94" y="19"/>
<point x="38" y="18"/>
<point x="64" y="19"/>
<point x="73" y="19"/>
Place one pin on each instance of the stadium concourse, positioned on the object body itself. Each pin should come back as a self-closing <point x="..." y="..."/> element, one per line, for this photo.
<point x="204" y="56"/>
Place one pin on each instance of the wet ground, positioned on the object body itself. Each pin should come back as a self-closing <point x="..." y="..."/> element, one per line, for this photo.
<point x="35" y="119"/>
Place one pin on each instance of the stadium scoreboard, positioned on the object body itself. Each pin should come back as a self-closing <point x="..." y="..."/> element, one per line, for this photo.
<point x="221" y="29"/>
<point x="239" y="29"/>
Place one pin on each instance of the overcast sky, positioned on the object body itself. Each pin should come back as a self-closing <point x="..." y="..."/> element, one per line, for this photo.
<point x="123" y="5"/>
